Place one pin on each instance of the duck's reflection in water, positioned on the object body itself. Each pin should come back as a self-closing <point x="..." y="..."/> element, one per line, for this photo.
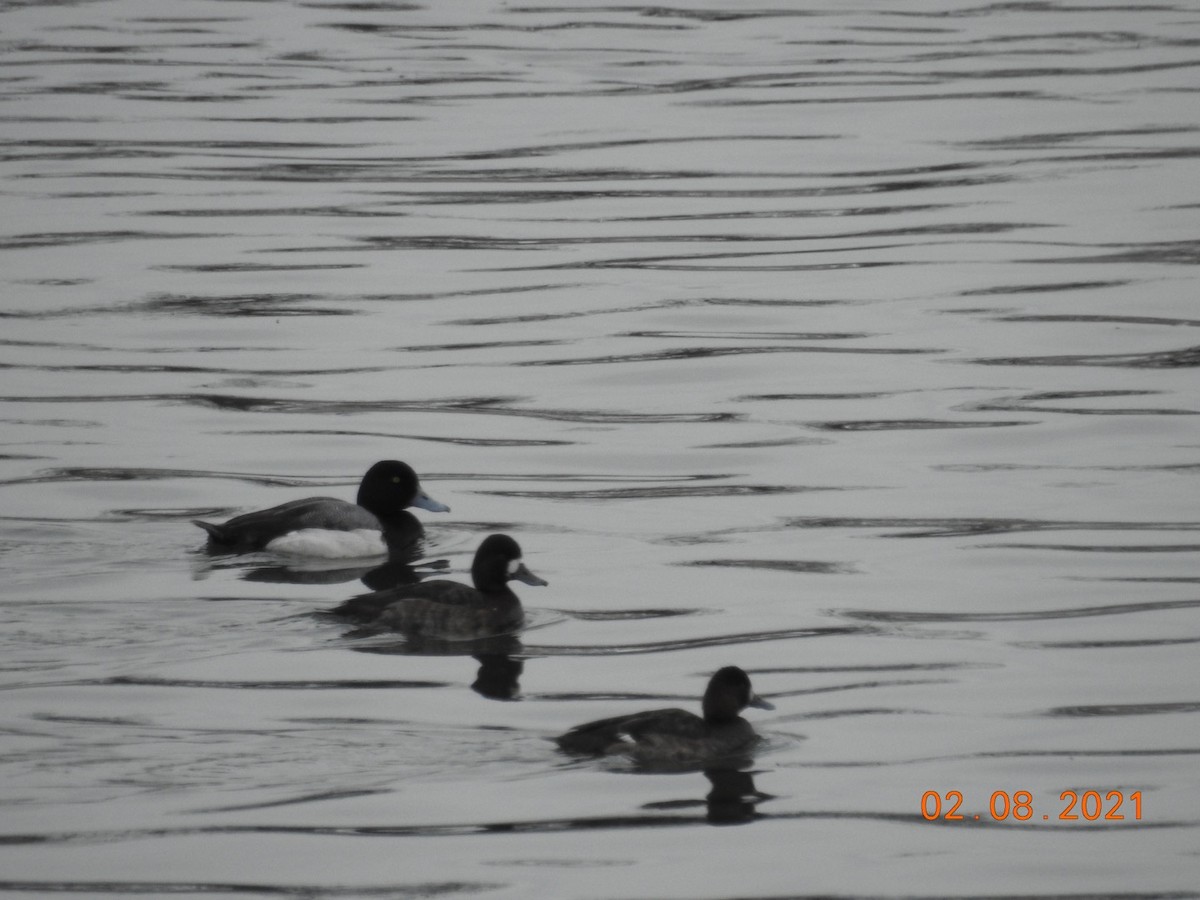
<point x="733" y="799"/>
<point x="499" y="675"/>
<point x="500" y="665"/>
<point x="398" y="568"/>
<point x="375" y="575"/>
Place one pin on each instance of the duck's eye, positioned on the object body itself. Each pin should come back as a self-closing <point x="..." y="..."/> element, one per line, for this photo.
<point x="395" y="479"/>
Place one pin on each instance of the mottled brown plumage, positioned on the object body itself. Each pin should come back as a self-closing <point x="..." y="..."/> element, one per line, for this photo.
<point x="675" y="735"/>
<point x="450" y="610"/>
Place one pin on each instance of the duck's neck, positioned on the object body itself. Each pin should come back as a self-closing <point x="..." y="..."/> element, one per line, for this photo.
<point x="718" y="712"/>
<point x="488" y="583"/>
<point x="395" y="518"/>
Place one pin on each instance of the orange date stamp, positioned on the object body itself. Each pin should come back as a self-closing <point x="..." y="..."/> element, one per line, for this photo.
<point x="1073" y="806"/>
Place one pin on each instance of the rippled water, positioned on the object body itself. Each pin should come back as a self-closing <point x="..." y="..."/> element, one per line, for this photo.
<point x="854" y="345"/>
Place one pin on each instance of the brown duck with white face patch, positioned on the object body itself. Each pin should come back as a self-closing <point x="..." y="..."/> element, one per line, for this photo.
<point x="449" y="610"/>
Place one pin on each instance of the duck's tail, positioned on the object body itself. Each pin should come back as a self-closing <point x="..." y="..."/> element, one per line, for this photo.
<point x="216" y="533"/>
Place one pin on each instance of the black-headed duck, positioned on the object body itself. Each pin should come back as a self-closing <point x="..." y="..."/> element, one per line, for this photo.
<point x="676" y="736"/>
<point x="330" y="528"/>
<point x="450" y="610"/>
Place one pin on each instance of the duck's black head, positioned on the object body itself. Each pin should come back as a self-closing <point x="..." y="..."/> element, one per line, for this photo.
<point x="498" y="561"/>
<point x="728" y="693"/>
<point x="391" y="486"/>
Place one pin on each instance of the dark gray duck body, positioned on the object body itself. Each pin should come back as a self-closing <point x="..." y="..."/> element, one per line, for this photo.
<point x="450" y="610"/>
<point x="676" y="735"/>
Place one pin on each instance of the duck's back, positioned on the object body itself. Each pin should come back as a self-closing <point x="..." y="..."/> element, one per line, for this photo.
<point x="255" y="530"/>
<point x="661" y="735"/>
<point x="444" y="610"/>
<point x="616" y="735"/>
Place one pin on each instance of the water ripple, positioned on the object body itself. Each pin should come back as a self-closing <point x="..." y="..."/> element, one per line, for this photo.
<point x="1183" y="358"/>
<point x="1037" y="615"/>
<point x="77" y="238"/>
<point x="1036" y="402"/>
<point x="658" y="493"/>
<point x="807" y="567"/>
<point x="1125" y="709"/>
<point x="965" y="527"/>
<point x="916" y="424"/>
<point x="112" y="473"/>
<point x="582" y="824"/>
<point x="290" y="685"/>
<point x="475" y="406"/>
<point x="240" y="888"/>
<point x="711" y="352"/>
<point x="727" y="640"/>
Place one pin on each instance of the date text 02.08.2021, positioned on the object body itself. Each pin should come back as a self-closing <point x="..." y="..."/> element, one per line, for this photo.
<point x="1089" y="806"/>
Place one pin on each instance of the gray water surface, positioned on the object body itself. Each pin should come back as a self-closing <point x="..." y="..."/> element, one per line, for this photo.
<point x="853" y="345"/>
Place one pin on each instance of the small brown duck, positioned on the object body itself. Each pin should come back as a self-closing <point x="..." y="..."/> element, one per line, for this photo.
<point x="676" y="736"/>
<point x="449" y="610"/>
